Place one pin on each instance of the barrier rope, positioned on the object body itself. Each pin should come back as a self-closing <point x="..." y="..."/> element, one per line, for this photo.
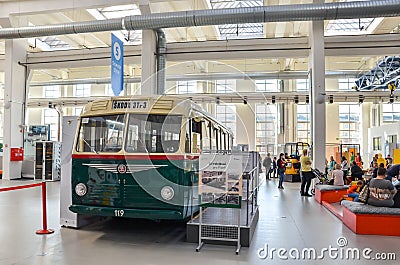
<point x="45" y="230"/>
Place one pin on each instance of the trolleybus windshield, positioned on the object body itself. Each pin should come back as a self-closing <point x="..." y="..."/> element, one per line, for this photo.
<point x="153" y="133"/>
<point x="101" y="133"/>
<point x="146" y="133"/>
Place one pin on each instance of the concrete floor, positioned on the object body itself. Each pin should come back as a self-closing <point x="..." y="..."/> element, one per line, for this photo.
<point x="286" y="221"/>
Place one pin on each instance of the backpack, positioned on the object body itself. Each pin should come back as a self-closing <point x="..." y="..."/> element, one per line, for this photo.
<point x="364" y="194"/>
<point x="345" y="165"/>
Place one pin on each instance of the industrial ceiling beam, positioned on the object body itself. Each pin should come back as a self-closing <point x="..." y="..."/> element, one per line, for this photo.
<point x="251" y="97"/>
<point x="352" y="46"/>
<point x="283" y="75"/>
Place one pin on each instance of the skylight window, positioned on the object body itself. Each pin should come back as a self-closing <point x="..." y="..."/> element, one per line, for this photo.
<point x="235" y="31"/>
<point x="349" y="26"/>
<point x="129" y="37"/>
<point x="119" y="11"/>
<point x="55" y="43"/>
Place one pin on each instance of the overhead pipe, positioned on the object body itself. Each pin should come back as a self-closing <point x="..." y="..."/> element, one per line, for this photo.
<point x="275" y="13"/>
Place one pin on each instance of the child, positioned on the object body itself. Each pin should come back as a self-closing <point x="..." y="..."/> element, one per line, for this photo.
<point x="354" y="190"/>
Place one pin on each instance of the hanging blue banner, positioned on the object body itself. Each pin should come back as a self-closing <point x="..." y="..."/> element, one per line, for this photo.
<point x="117" y="65"/>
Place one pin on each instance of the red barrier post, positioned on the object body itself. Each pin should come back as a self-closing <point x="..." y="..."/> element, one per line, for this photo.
<point x="44" y="231"/>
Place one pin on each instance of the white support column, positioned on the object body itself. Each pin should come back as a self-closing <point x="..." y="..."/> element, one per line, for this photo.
<point x="149" y="63"/>
<point x="365" y="124"/>
<point x="317" y="64"/>
<point x="149" y="59"/>
<point x="14" y="104"/>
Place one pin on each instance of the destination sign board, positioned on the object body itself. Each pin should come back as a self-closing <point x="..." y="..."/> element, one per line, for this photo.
<point x="130" y="104"/>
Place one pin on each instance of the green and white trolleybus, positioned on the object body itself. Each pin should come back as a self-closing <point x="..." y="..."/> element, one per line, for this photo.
<point x="137" y="157"/>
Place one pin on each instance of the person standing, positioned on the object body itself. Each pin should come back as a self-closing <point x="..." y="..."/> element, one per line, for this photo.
<point x="345" y="168"/>
<point x="389" y="160"/>
<point x="267" y="164"/>
<point x="259" y="164"/>
<point x="332" y="164"/>
<point x="374" y="159"/>
<point x="359" y="160"/>
<point x="274" y="167"/>
<point x="307" y="174"/>
<point x="281" y="164"/>
<point x="381" y="160"/>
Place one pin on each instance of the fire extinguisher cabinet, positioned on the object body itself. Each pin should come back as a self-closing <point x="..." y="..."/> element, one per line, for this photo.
<point x="16" y="154"/>
<point x="48" y="161"/>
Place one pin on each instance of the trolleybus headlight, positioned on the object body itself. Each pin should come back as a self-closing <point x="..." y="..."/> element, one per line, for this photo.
<point x="167" y="193"/>
<point x="80" y="189"/>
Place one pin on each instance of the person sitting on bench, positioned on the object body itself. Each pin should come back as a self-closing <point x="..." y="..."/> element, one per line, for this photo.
<point x="392" y="172"/>
<point x="356" y="172"/>
<point x="354" y="190"/>
<point x="381" y="191"/>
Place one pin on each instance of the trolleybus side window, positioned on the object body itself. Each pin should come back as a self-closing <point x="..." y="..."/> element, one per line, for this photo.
<point x="220" y="139"/>
<point x="196" y="136"/>
<point x="205" y="136"/>
<point x="188" y="127"/>
<point x="101" y="134"/>
<point x="223" y="140"/>
<point x="214" y="138"/>
<point x="153" y="133"/>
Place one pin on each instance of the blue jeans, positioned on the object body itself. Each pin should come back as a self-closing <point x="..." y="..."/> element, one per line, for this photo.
<point x="354" y="195"/>
<point x="281" y="177"/>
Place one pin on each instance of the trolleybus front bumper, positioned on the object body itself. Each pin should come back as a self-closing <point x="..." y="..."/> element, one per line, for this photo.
<point x="153" y="214"/>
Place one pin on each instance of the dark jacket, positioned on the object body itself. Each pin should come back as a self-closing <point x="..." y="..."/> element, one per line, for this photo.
<point x="375" y="173"/>
<point x="356" y="172"/>
<point x="281" y="165"/>
<point x="392" y="172"/>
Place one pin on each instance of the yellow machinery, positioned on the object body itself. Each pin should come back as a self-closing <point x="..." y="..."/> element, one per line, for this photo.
<point x="396" y="156"/>
<point x="293" y="151"/>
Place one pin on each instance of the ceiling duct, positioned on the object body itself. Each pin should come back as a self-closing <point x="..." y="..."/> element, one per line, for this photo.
<point x="275" y="13"/>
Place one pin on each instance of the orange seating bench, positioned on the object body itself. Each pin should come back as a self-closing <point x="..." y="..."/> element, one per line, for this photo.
<point x="329" y="193"/>
<point x="370" y="220"/>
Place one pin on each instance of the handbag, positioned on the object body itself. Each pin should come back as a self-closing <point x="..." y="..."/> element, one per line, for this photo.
<point x="364" y="194"/>
<point x="281" y="170"/>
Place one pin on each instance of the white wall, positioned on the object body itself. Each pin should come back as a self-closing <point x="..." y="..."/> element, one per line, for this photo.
<point x="383" y="132"/>
<point x="245" y="125"/>
<point x="98" y="90"/>
<point x="34" y="116"/>
<point x="35" y="92"/>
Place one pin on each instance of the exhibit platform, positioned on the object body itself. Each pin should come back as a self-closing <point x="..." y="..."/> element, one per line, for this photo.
<point x="222" y="223"/>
